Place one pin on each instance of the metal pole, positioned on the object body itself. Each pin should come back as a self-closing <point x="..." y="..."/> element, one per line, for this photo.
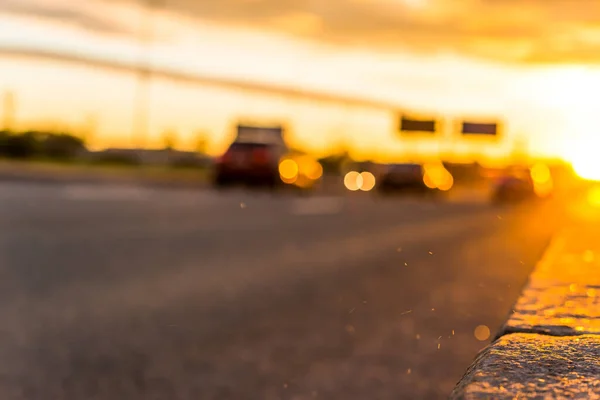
<point x="9" y="110"/>
<point x="141" y="114"/>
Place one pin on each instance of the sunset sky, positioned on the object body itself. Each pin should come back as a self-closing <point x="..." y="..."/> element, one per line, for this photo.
<point x="532" y="63"/>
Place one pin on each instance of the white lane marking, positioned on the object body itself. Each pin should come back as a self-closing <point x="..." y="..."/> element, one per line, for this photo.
<point x="105" y="193"/>
<point x="317" y="206"/>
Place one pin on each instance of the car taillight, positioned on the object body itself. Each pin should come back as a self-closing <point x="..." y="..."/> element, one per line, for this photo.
<point x="261" y="156"/>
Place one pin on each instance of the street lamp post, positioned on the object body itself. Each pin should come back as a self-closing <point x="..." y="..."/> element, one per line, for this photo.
<point x="141" y="114"/>
<point x="9" y="110"/>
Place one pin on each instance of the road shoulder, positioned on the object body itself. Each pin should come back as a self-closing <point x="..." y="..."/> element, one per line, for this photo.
<point x="550" y="345"/>
<point x="47" y="172"/>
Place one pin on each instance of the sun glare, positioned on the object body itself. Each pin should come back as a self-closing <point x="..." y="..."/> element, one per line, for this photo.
<point x="593" y="196"/>
<point x="586" y="162"/>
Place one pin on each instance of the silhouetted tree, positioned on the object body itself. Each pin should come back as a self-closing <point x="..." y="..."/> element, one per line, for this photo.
<point x="19" y="146"/>
<point x="32" y="144"/>
<point x="62" y="146"/>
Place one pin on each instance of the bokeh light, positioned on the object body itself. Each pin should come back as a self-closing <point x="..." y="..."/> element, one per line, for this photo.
<point x="353" y="181"/>
<point x="482" y="333"/>
<point x="447" y="183"/>
<point x="429" y="182"/>
<point x="368" y="181"/>
<point x="314" y="170"/>
<point x="540" y="173"/>
<point x="542" y="180"/>
<point x="436" y="176"/>
<point x="288" y="170"/>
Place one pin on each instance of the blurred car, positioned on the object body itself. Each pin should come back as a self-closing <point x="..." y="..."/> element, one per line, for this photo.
<point x="268" y="164"/>
<point x="431" y="178"/>
<point x="251" y="163"/>
<point x="402" y="177"/>
<point x="520" y="184"/>
<point x="513" y="188"/>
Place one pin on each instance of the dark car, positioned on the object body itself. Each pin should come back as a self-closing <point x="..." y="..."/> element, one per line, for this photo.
<point x="250" y="163"/>
<point x="514" y="187"/>
<point x="403" y="177"/>
<point x="415" y="178"/>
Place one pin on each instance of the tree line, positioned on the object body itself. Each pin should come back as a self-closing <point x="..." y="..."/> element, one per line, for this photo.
<point x="35" y="144"/>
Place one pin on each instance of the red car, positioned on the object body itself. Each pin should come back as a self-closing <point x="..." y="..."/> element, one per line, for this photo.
<point x="250" y="163"/>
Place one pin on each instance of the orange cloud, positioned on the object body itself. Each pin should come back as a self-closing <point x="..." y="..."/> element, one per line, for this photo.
<point x="520" y="31"/>
<point x="523" y="31"/>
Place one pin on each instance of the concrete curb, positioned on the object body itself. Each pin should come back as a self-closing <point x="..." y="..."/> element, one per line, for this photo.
<point x="550" y="345"/>
<point x="529" y="366"/>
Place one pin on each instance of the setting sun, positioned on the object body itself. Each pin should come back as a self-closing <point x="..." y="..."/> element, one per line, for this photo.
<point x="586" y="162"/>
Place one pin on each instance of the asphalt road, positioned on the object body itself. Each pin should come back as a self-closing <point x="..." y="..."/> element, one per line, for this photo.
<point x="125" y="293"/>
